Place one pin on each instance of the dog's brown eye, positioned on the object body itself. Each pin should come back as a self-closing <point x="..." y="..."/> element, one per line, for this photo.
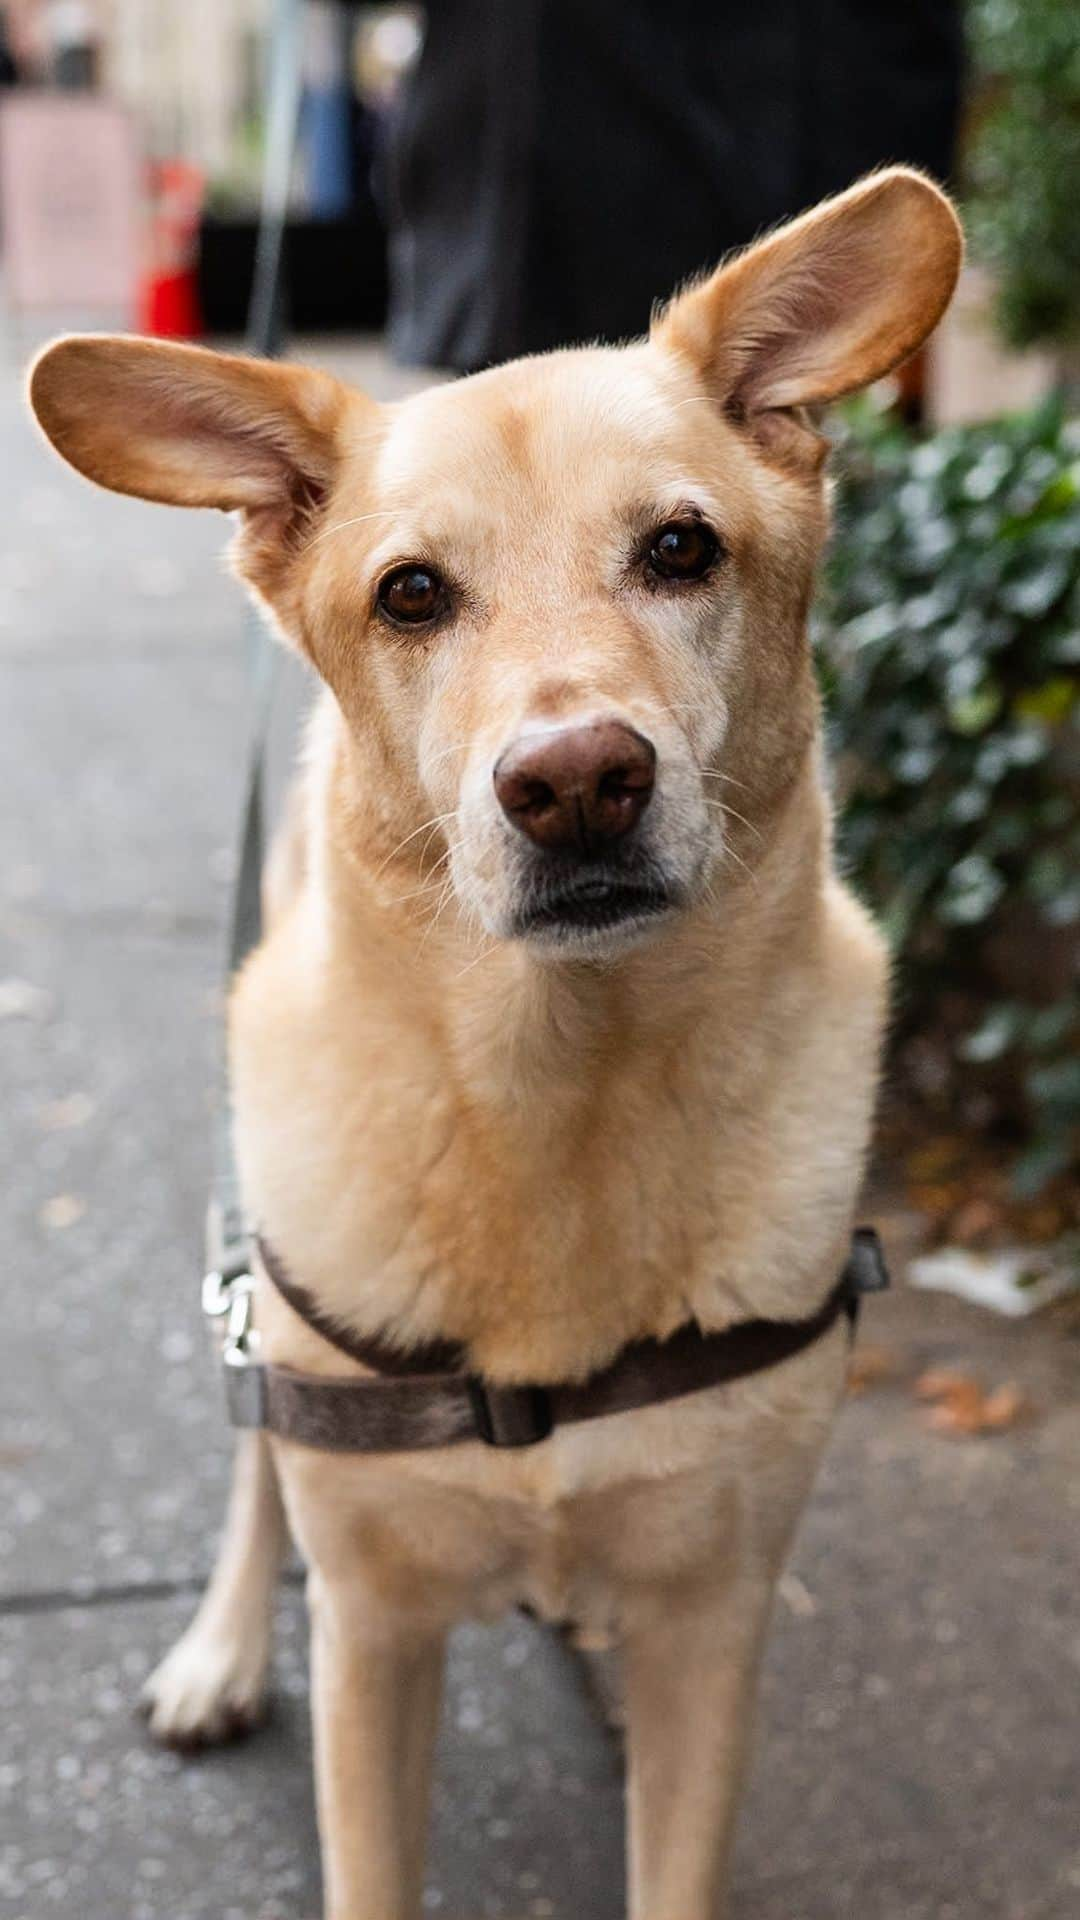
<point x="683" y="550"/>
<point x="412" y="595"/>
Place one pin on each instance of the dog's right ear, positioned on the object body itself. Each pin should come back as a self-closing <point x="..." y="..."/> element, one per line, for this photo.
<point x="198" y="429"/>
<point x="186" y="426"/>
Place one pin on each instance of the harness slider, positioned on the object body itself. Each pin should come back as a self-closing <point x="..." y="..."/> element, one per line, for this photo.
<point x="510" y="1416"/>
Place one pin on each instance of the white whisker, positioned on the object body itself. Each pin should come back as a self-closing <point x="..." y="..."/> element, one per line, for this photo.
<point x="426" y="826"/>
<point x="740" y="862"/>
<point x="484" y="954"/>
<point x="445" y="898"/>
<point x="417" y="893"/>
<point x="728" y="778"/>
<point x="381" y="513"/>
<point x="722" y="806"/>
<point x="456" y="746"/>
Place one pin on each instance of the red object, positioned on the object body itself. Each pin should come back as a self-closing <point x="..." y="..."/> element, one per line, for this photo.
<point x="168" y="295"/>
<point x="169" y="306"/>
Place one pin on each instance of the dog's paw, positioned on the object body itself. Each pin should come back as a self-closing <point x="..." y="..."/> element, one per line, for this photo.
<point x="209" y="1688"/>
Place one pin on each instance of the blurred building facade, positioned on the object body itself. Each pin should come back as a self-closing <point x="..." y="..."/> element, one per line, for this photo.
<point x="190" y="73"/>
<point x="189" y="70"/>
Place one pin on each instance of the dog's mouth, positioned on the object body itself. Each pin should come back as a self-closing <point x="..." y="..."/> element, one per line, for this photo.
<point x="594" y="904"/>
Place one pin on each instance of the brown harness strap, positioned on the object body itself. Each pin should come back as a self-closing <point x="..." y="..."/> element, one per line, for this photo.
<point x="399" y="1409"/>
<point x="438" y="1356"/>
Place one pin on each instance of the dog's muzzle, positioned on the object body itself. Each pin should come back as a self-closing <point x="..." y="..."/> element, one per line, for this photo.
<point x="574" y="900"/>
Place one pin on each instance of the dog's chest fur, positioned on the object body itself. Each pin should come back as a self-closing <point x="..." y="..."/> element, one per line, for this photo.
<point x="545" y="1170"/>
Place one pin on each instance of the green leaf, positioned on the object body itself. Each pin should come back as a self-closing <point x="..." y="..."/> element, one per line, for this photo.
<point x="974" y="712"/>
<point x="1033" y="1170"/>
<point x="1057" y="1085"/>
<point x="973" y="889"/>
<point x="967" y="805"/>
<point x="915" y="765"/>
<point x="1026" y="746"/>
<point x="986" y="476"/>
<point x="1064" y="909"/>
<point x="1047" y="876"/>
<point x="994" y="1037"/>
<point x="1049" y="1025"/>
<point x="1034" y="593"/>
<point x="1051" y="701"/>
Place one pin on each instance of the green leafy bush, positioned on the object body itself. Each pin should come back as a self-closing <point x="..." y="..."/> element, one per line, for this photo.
<point x="1023" y="166"/>
<point x="948" y="631"/>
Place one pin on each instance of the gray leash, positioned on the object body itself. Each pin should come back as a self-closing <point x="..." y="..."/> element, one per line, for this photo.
<point x="227" y="1286"/>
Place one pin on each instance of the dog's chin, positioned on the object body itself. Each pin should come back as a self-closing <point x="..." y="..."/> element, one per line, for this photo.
<point x="596" y="917"/>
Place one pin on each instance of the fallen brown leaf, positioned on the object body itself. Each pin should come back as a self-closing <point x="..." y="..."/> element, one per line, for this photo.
<point x="960" y="1412"/>
<point x="938" y="1198"/>
<point x="1046" y="1220"/>
<point x="961" y="1407"/>
<point x="1004" y="1407"/>
<point x="869" y="1366"/>
<point x="975" y="1221"/>
<point x="931" y="1158"/>
<point x="937" y="1382"/>
<point x="797" y="1596"/>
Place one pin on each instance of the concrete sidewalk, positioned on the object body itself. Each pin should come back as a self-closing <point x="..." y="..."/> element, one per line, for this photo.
<point x="917" y="1756"/>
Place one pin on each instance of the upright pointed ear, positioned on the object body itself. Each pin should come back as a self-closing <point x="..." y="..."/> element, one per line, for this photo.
<point x="199" y="429"/>
<point x="186" y="426"/>
<point x="826" y="304"/>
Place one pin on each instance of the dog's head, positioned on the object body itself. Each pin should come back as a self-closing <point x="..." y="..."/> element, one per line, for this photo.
<point x="561" y="604"/>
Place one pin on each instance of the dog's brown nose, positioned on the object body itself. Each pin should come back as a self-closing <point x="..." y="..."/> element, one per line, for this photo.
<point x="578" y="786"/>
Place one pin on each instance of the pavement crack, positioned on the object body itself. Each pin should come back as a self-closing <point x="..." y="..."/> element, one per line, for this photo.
<point x="124" y="1593"/>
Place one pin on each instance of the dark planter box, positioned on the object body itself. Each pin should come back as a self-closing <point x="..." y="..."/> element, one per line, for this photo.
<point x="335" y="274"/>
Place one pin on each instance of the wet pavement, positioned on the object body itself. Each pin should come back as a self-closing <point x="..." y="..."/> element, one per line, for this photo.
<point x="921" y="1709"/>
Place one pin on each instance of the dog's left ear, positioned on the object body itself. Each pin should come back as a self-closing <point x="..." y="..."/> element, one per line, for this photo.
<point x="826" y="304"/>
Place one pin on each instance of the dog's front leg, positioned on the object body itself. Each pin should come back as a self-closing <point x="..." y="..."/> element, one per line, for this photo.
<point x="210" y="1685"/>
<point x="376" y="1687"/>
<point x="691" y="1666"/>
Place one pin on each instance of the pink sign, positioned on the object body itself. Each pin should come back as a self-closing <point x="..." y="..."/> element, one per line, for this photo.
<point x="69" y="203"/>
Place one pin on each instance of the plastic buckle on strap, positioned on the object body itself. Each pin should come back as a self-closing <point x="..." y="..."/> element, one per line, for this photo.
<point x="869" y="1274"/>
<point x="865" y="1272"/>
<point x="510" y="1416"/>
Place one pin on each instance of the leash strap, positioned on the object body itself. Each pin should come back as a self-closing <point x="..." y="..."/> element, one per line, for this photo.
<point x="407" y="1404"/>
<point x="228" y="1236"/>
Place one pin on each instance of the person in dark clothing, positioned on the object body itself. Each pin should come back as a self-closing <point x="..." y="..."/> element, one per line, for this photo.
<point x="9" y="73"/>
<point x="559" y="165"/>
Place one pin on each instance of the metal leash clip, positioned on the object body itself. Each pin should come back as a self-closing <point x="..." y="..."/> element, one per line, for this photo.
<point x="229" y="1298"/>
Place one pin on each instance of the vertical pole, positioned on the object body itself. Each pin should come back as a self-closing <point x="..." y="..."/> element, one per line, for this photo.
<point x="266" y="315"/>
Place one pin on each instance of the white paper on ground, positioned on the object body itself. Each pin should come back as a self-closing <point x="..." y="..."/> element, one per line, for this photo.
<point x="1013" y="1280"/>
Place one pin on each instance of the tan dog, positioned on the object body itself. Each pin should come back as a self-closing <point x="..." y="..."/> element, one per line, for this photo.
<point x="567" y="1032"/>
